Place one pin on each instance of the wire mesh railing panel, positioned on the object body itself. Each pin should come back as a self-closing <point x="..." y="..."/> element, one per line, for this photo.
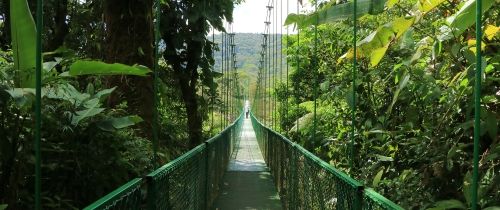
<point x="304" y="181"/>
<point x="320" y="188"/>
<point x="126" y="197"/>
<point x="181" y="183"/>
<point x="218" y="157"/>
<point x="192" y="181"/>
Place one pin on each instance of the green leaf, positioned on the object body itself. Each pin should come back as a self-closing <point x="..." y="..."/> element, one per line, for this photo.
<point x="23" y="33"/>
<point x="450" y="204"/>
<point x="3" y="206"/>
<point x="349" y="97"/>
<point x="375" y="45"/>
<point x="325" y="85"/>
<point x="427" y="5"/>
<point x="377" y="55"/>
<point x="68" y="93"/>
<point x="465" y="17"/>
<point x="466" y="187"/>
<point x="492" y="208"/>
<point x="384" y="158"/>
<point x="101" y="95"/>
<point x="377" y="178"/>
<point x="22" y="96"/>
<point x="492" y="125"/>
<point x="81" y="115"/>
<point x="401" y="86"/>
<point x="119" y="123"/>
<point x="80" y="68"/>
<point x="332" y="12"/>
<point x="391" y="3"/>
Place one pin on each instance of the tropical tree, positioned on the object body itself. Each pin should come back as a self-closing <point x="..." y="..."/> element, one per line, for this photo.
<point x="184" y="29"/>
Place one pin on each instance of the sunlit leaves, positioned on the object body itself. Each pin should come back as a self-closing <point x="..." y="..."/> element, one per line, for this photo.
<point x="391" y="3"/>
<point x="375" y="45"/>
<point x="427" y="5"/>
<point x="80" y="68"/>
<point x="491" y="31"/>
<point x="465" y="17"/>
<point x="332" y="12"/>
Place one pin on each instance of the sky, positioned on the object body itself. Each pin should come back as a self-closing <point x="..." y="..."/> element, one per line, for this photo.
<point x="249" y="17"/>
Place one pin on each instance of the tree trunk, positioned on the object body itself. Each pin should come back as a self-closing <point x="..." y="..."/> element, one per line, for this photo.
<point x="191" y="103"/>
<point x="130" y="40"/>
<point x="60" y="29"/>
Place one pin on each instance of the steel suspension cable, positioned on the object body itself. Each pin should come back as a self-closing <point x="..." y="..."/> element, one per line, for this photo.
<point x="354" y="71"/>
<point x="212" y="82"/>
<point x="267" y="61"/>
<point x="228" y="76"/>
<point x="38" y="104"/>
<point x="270" y="64"/>
<point x="477" y="104"/>
<point x="234" y="75"/>
<point x="225" y="81"/>
<point x="275" y="62"/>
<point x="155" y="124"/>
<point x="222" y="83"/>
<point x="298" y="68"/>
<point x="287" y="65"/>
<point x="315" y="72"/>
<point x="281" y="58"/>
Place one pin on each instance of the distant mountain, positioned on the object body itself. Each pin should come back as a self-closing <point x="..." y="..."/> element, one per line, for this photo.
<point x="248" y="48"/>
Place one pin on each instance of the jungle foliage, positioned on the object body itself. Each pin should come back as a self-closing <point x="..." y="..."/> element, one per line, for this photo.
<point x="97" y="94"/>
<point x="414" y="96"/>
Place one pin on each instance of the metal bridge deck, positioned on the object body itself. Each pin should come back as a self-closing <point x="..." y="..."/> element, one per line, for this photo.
<point x="248" y="183"/>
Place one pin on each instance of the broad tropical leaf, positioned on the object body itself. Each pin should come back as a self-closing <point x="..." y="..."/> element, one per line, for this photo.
<point x="89" y="112"/>
<point x="22" y="96"/>
<point x="119" y="123"/>
<point x="427" y="5"/>
<point x="80" y="68"/>
<point x="465" y="17"/>
<point x="449" y="204"/>
<point x="334" y="12"/>
<point x="23" y="43"/>
<point x="375" y="45"/>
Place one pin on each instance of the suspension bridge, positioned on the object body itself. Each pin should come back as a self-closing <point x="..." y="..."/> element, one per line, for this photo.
<point x="249" y="165"/>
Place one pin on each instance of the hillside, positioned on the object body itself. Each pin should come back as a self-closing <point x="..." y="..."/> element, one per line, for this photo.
<point x="248" y="47"/>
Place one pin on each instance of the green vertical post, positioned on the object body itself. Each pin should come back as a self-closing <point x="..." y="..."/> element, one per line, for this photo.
<point x="38" y="104"/>
<point x="298" y="67"/>
<point x="354" y="70"/>
<point x="155" y="82"/>
<point x="275" y="55"/>
<point x="212" y="83"/>
<point x="287" y="65"/>
<point x="315" y="69"/>
<point x="281" y="57"/>
<point x="222" y="82"/>
<point x="477" y="104"/>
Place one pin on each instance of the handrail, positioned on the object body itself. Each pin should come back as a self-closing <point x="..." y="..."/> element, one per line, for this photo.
<point x="307" y="182"/>
<point x="128" y="195"/>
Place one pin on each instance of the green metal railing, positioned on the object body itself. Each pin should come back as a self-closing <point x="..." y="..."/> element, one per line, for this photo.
<point x="127" y="196"/>
<point x="304" y="181"/>
<point x="192" y="181"/>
